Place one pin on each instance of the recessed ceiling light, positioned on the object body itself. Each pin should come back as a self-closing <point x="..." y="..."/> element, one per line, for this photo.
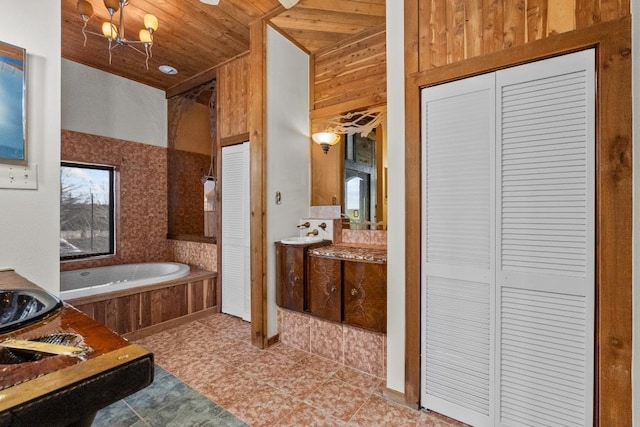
<point x="213" y="2"/>
<point x="168" y="69"/>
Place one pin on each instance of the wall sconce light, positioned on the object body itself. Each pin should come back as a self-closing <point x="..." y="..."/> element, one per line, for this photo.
<point x="325" y="140"/>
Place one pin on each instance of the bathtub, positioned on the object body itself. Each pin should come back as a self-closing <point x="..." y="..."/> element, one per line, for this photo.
<point x="99" y="280"/>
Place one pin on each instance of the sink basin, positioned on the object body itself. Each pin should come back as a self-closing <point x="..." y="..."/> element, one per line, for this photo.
<point x="20" y="307"/>
<point x="301" y="240"/>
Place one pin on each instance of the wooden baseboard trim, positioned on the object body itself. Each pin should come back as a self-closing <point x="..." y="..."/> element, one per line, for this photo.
<point x="397" y="397"/>
<point x="145" y="332"/>
<point x="273" y="340"/>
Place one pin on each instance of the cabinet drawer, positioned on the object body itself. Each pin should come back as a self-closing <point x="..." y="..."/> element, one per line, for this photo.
<point x="325" y="282"/>
<point x="365" y="295"/>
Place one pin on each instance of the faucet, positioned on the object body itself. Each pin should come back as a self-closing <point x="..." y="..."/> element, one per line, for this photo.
<point x="314" y="232"/>
<point x="305" y="225"/>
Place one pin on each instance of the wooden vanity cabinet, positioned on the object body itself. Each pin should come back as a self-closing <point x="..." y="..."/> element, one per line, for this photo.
<point x="325" y="287"/>
<point x="365" y="295"/>
<point x="291" y="275"/>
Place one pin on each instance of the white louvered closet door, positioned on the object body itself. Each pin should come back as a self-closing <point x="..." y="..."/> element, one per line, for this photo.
<point x="508" y="275"/>
<point x="458" y="279"/>
<point x="235" y="233"/>
<point x="546" y="242"/>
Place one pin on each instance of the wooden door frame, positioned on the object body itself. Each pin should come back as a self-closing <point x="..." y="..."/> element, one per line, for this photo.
<point x="257" y="147"/>
<point x="614" y="181"/>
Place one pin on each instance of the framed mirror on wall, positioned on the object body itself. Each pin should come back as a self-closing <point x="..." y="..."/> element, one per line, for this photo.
<point x="351" y="174"/>
<point x="13" y="108"/>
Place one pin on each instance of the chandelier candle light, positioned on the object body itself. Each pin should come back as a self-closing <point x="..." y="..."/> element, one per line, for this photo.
<point x="115" y="33"/>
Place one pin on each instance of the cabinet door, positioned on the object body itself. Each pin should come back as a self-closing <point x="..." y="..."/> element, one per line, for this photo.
<point x="365" y="295"/>
<point x="325" y="298"/>
<point x="290" y="277"/>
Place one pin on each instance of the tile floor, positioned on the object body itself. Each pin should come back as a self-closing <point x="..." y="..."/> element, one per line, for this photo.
<point x="279" y="386"/>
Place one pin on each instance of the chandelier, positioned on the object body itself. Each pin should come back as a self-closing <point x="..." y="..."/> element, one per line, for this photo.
<point x="115" y="33"/>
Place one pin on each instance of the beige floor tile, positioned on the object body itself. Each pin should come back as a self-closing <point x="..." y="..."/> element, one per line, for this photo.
<point x="281" y="385"/>
<point x="340" y="399"/>
<point x="320" y="364"/>
<point x="263" y="407"/>
<point x="291" y="352"/>
<point x="378" y="411"/>
<point x="298" y="381"/>
<point x="364" y="381"/>
<point x="308" y="416"/>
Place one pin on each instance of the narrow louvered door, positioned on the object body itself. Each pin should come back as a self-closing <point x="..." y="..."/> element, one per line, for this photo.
<point x="458" y="278"/>
<point x="235" y="235"/>
<point x="545" y="245"/>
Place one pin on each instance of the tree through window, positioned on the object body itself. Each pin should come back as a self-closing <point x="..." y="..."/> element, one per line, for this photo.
<point x="86" y="210"/>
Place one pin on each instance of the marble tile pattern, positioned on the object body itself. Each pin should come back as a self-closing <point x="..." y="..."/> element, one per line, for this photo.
<point x="358" y="253"/>
<point x="365" y="237"/>
<point x="363" y="351"/>
<point x="142" y="195"/>
<point x="142" y="200"/>
<point x="203" y="255"/>
<point x="279" y="386"/>
<point x="186" y="191"/>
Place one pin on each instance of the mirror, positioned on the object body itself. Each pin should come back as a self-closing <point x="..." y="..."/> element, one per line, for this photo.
<point x="191" y="182"/>
<point x="352" y="174"/>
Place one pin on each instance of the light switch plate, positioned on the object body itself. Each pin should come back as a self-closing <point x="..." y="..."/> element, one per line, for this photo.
<point x="19" y="177"/>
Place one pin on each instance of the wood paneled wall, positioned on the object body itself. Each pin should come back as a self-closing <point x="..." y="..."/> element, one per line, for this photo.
<point x="152" y="308"/>
<point x="454" y="30"/>
<point x="352" y="73"/>
<point x="233" y="98"/>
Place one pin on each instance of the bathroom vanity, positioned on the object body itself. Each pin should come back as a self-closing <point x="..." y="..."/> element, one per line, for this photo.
<point x="39" y="386"/>
<point x="334" y="282"/>
<point x="291" y="274"/>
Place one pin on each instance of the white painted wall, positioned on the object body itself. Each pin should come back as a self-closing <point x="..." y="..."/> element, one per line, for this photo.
<point x="635" y="368"/>
<point x="396" y="209"/>
<point x="30" y="219"/>
<point x="104" y="104"/>
<point x="288" y="151"/>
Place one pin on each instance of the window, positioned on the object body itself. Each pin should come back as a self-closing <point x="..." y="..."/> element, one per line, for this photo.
<point x="86" y="210"/>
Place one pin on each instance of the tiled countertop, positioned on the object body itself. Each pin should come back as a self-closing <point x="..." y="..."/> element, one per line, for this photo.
<point x="374" y="254"/>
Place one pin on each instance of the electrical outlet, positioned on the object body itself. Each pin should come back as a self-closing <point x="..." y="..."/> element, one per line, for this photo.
<point x="19" y="177"/>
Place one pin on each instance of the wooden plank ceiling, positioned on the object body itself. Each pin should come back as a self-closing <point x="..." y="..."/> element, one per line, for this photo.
<point x="193" y="36"/>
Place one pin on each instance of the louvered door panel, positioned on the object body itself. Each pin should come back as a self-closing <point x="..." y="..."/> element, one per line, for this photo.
<point x="543" y="358"/>
<point x="545" y="246"/>
<point x="458" y="344"/>
<point x="235" y="274"/>
<point x="458" y="229"/>
<point x="544" y="175"/>
<point x="458" y="173"/>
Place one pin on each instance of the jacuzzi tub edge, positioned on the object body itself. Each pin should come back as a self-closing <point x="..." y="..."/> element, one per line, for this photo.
<point x="87" y="282"/>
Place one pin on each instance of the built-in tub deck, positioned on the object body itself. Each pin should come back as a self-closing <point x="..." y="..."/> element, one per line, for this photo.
<point x="141" y="311"/>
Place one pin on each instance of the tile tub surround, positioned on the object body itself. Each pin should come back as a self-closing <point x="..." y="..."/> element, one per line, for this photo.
<point x="142" y="197"/>
<point x="203" y="255"/>
<point x="279" y="386"/>
<point x="346" y="345"/>
<point x="185" y="199"/>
